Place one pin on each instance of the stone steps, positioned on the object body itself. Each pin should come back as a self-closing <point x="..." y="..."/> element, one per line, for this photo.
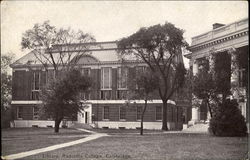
<point x="82" y="125"/>
<point x="197" y="128"/>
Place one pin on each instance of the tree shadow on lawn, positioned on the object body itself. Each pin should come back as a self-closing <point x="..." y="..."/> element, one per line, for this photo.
<point x="15" y="140"/>
<point x="174" y="146"/>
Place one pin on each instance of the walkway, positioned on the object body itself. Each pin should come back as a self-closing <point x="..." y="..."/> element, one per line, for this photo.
<point x="93" y="136"/>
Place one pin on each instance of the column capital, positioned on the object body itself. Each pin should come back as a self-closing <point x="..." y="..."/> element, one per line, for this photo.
<point x="231" y="50"/>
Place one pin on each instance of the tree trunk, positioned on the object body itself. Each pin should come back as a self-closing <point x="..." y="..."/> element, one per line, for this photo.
<point x="57" y="124"/>
<point x="209" y="108"/>
<point x="142" y="116"/>
<point x="164" y="117"/>
<point x="141" y="133"/>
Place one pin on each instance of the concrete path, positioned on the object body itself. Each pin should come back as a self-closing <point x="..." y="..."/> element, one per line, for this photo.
<point x="93" y="136"/>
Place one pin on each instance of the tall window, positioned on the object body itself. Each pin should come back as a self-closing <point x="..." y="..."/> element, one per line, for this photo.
<point x="138" y="112"/>
<point x="106" y="78"/>
<point x="20" y="112"/>
<point x="106" y="112"/>
<point x="85" y="95"/>
<point x="122" y="113"/>
<point x="36" y="81"/>
<point x="35" y="85"/>
<point x="122" y="77"/>
<point x="139" y="70"/>
<point x="158" y="113"/>
<point x="35" y="112"/>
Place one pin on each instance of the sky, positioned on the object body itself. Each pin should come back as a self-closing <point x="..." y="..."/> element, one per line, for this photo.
<point x="113" y="20"/>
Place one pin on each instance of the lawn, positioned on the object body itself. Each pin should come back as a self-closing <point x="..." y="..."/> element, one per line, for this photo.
<point x="15" y="140"/>
<point x="160" y="146"/>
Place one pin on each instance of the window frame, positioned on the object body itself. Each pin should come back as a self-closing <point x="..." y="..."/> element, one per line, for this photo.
<point x="157" y="107"/>
<point x="34" y="81"/>
<point x="34" y="117"/>
<point x="104" y="94"/>
<point x="121" y="76"/>
<point x="18" y="112"/>
<point x="137" y="70"/>
<point x="104" y="117"/>
<point x="138" y="116"/>
<point x="84" y="73"/>
<point x="125" y="111"/>
<point x="103" y="79"/>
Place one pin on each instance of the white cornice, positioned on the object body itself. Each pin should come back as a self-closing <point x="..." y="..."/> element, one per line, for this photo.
<point x="99" y="102"/>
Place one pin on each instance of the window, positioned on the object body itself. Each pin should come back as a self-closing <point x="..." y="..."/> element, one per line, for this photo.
<point x="20" y="112"/>
<point x="121" y="94"/>
<point x="85" y="95"/>
<point x="122" y="113"/>
<point x="35" y="113"/>
<point x="85" y="71"/>
<point x="122" y="77"/>
<point x="106" y="112"/>
<point x="158" y="113"/>
<point x="106" y="78"/>
<point x="36" y="81"/>
<point x="106" y="94"/>
<point x="242" y="78"/>
<point x="35" y="85"/>
<point x="138" y="112"/>
<point x="138" y="71"/>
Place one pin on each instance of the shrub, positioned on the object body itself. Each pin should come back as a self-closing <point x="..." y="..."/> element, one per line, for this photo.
<point x="228" y="120"/>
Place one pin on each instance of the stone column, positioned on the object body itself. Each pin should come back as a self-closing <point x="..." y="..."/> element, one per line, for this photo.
<point x="234" y="68"/>
<point x="195" y="112"/>
<point x="195" y="67"/>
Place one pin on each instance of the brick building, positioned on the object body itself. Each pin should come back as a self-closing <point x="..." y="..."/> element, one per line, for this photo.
<point x="106" y="102"/>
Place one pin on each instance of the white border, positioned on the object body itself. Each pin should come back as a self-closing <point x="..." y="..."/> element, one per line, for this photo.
<point x="102" y="102"/>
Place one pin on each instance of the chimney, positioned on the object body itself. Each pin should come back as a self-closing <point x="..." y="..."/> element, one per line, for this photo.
<point x="217" y="25"/>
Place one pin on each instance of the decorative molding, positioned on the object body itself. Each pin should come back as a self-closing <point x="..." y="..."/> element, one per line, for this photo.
<point x="217" y="41"/>
<point x="100" y="102"/>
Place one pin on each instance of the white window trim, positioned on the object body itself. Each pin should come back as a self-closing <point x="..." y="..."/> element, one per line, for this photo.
<point x="105" y="93"/>
<point x="136" y="71"/>
<point x="34" y="113"/>
<point x="102" y="78"/>
<point x="156" y="113"/>
<point x="119" y="73"/>
<point x="120" y="114"/>
<point x="103" y="114"/>
<point x="39" y="81"/>
<point x="19" y="118"/>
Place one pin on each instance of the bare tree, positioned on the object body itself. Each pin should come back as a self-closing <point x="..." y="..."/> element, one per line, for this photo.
<point x="60" y="49"/>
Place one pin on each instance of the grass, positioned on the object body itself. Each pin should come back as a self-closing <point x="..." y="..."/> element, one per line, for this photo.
<point x="176" y="146"/>
<point x="15" y="140"/>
